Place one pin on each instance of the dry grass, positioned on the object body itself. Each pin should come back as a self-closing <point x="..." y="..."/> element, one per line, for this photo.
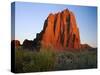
<point x="48" y="60"/>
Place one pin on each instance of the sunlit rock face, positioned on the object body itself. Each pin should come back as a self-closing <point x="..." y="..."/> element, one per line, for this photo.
<point x="60" y="31"/>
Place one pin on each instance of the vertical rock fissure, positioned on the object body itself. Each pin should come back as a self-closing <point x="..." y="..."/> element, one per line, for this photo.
<point x="73" y="40"/>
<point x="55" y="21"/>
<point x="68" y="29"/>
<point x="62" y="30"/>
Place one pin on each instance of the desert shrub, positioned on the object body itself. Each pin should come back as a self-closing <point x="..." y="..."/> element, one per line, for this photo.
<point x="65" y="60"/>
<point x="28" y="61"/>
<point x="86" y="59"/>
<point x="47" y="59"/>
<point x="76" y="60"/>
<point x="18" y="60"/>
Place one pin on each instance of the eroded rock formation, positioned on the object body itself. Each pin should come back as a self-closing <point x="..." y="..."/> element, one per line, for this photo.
<point x="60" y="31"/>
<point x="83" y="46"/>
<point x="15" y="43"/>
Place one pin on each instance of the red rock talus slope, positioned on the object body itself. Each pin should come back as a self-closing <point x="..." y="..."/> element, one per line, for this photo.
<point x="60" y="31"/>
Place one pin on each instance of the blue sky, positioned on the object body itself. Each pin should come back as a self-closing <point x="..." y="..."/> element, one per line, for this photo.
<point x="30" y="17"/>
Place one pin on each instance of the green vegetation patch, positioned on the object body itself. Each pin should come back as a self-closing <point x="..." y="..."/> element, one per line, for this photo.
<point x="49" y="60"/>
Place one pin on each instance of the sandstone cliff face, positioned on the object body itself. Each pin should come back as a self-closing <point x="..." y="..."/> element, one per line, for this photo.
<point x="60" y="31"/>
